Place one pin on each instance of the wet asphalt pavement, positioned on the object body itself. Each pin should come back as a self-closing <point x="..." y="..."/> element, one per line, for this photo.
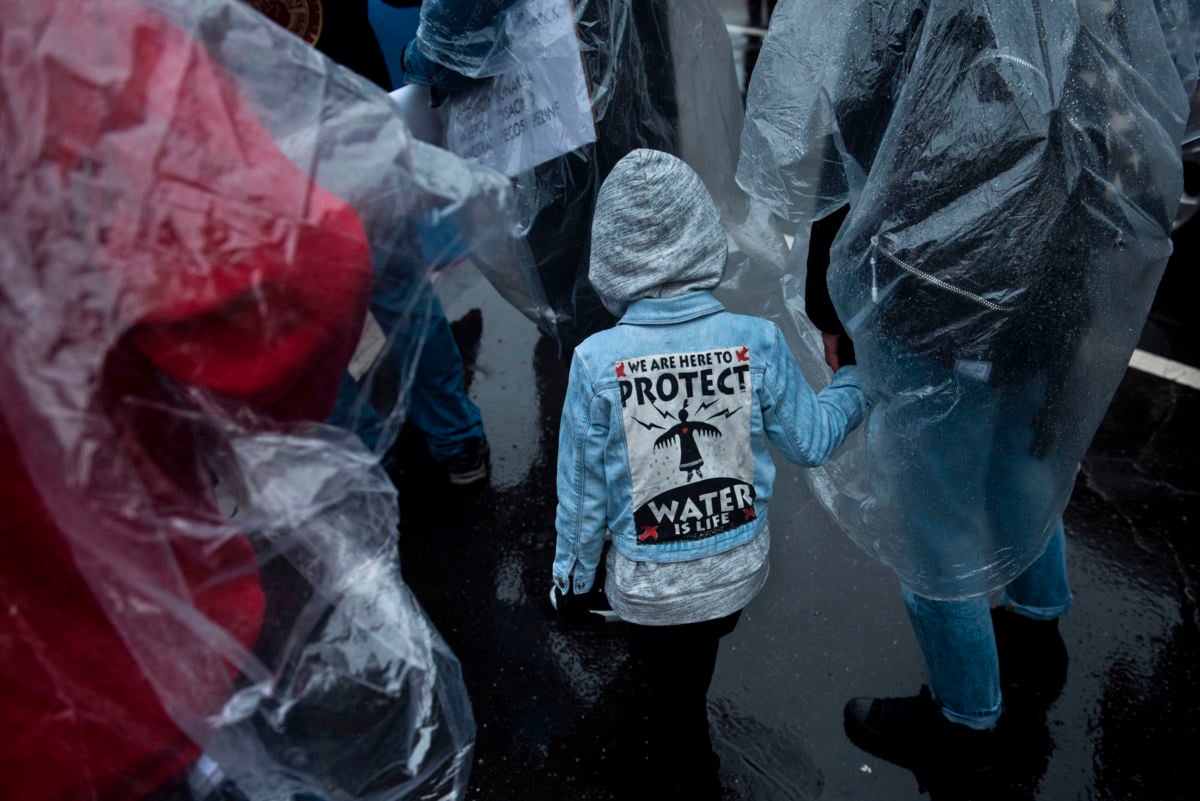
<point x="554" y="707"/>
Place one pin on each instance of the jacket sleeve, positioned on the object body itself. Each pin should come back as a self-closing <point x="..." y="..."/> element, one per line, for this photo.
<point x="806" y="426"/>
<point x="582" y="521"/>
<point x="456" y="44"/>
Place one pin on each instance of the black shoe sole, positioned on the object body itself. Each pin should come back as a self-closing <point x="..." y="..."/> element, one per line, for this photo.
<point x="469" y="477"/>
<point x="476" y="474"/>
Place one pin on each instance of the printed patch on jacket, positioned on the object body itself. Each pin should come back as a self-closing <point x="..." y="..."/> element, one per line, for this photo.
<point x="687" y="427"/>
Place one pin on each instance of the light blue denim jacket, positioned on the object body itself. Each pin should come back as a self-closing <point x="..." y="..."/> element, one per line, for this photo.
<point x="595" y="488"/>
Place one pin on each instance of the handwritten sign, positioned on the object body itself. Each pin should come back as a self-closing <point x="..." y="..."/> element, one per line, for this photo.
<point x="536" y="112"/>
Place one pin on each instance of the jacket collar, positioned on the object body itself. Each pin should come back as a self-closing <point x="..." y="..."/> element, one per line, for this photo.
<point x="667" y="311"/>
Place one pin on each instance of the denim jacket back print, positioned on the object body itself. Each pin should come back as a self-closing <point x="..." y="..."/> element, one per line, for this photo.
<point x="664" y="429"/>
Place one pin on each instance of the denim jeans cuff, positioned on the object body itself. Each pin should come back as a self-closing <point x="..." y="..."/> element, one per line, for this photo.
<point x="980" y="722"/>
<point x="1037" y="612"/>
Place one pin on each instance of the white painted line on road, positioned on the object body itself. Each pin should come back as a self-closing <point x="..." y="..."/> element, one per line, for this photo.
<point x="1165" y="368"/>
<point x="743" y="30"/>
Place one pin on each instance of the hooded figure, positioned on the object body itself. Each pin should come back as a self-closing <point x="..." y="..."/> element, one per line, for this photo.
<point x="689" y="551"/>
<point x="1012" y="171"/>
<point x="657" y="232"/>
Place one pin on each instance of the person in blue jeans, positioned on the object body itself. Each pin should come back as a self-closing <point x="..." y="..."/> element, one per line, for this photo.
<point x="990" y="470"/>
<point x="1011" y="173"/>
<point x="420" y="349"/>
<point x="663" y="450"/>
<point x="420" y="352"/>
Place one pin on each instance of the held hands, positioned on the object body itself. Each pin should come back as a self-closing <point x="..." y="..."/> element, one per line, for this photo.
<point x="839" y="350"/>
<point x="831" y="341"/>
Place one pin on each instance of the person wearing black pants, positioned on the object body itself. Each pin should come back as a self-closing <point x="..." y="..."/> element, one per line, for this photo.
<point x="677" y="704"/>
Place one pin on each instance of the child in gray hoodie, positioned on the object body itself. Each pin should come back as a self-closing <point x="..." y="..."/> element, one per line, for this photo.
<point x="662" y="449"/>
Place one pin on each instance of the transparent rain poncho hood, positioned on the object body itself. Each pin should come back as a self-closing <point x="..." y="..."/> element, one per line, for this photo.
<point x="1012" y="170"/>
<point x="192" y="202"/>
<point x="659" y="75"/>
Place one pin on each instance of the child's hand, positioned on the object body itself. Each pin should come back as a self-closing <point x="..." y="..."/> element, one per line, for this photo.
<point x="568" y="607"/>
<point x="581" y="610"/>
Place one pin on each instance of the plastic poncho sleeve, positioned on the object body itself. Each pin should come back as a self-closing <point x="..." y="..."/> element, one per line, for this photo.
<point x="458" y="43"/>
<point x="824" y="124"/>
<point x="655" y="74"/>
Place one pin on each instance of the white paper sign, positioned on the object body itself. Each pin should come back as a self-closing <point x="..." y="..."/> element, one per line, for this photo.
<point x="537" y="112"/>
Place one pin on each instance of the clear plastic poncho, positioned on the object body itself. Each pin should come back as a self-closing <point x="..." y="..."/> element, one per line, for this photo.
<point x="1012" y="170"/>
<point x="657" y="75"/>
<point x="198" y="579"/>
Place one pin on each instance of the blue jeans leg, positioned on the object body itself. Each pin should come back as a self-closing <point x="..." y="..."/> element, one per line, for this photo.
<point x="960" y="656"/>
<point x="411" y="316"/>
<point x="438" y="401"/>
<point x="959" y="645"/>
<point x="1042" y="591"/>
<point x="438" y="404"/>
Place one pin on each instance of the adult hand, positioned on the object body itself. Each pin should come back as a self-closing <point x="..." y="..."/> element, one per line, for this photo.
<point x="831" y="343"/>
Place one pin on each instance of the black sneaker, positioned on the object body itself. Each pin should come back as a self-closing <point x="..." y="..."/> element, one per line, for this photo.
<point x="469" y="466"/>
<point x="1033" y="656"/>
<point x="913" y="733"/>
